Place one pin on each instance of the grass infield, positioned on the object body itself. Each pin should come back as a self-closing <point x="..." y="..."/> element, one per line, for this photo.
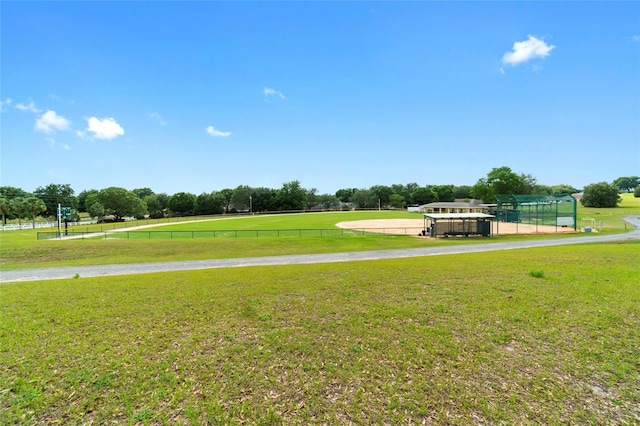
<point x="532" y="336"/>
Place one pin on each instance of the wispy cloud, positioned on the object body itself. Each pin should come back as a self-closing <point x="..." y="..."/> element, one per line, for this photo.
<point x="3" y="104"/>
<point x="103" y="128"/>
<point x="212" y="131"/>
<point x="30" y="107"/>
<point x="269" y="92"/>
<point x="524" y="51"/>
<point x="49" y="122"/>
<point x="636" y="38"/>
<point x="160" y="119"/>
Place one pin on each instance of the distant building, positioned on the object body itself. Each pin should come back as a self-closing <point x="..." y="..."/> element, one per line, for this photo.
<point x="458" y="206"/>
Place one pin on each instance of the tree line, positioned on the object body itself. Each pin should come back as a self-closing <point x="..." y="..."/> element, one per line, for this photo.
<point x="118" y="203"/>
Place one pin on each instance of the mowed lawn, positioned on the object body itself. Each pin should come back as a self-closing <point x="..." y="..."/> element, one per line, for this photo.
<point x="173" y="241"/>
<point x="538" y="336"/>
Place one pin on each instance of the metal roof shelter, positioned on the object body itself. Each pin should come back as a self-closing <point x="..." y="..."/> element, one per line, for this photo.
<point x="454" y="224"/>
<point x="538" y="209"/>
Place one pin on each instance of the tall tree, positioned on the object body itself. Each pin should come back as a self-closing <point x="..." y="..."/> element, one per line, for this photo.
<point x="54" y="194"/>
<point x="382" y="193"/>
<point x="8" y="193"/>
<point x="120" y="203"/>
<point x="291" y="196"/>
<point x="142" y="192"/>
<point x="227" y="194"/>
<point x="19" y="207"/>
<point x="444" y="192"/>
<point x="396" y="201"/>
<point x="563" y="189"/>
<point x="461" y="192"/>
<point x="156" y="205"/>
<point x="242" y="198"/>
<point x="423" y="195"/>
<point x="209" y="203"/>
<point x="34" y="206"/>
<point x="182" y="203"/>
<point x="500" y="181"/>
<point x="264" y="199"/>
<point x="365" y="199"/>
<point x="345" y="194"/>
<point x="82" y="199"/>
<point x="627" y="183"/>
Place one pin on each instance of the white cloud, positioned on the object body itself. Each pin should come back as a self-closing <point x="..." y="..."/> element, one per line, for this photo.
<point x="104" y="128"/>
<point x="636" y="38"/>
<point x="30" y="107"/>
<point x="4" y="103"/>
<point x="524" y="51"/>
<point x="66" y="147"/>
<point x="160" y="119"/>
<point x="50" y="122"/>
<point x="217" y="133"/>
<point x="272" y="92"/>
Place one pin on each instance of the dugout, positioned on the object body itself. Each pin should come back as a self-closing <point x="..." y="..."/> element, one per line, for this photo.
<point x="457" y="224"/>
<point x="540" y="209"/>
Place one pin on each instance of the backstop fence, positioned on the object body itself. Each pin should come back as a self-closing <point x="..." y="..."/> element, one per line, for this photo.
<point x="543" y="209"/>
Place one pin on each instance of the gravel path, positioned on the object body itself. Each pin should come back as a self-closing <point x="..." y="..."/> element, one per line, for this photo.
<point x="144" y="268"/>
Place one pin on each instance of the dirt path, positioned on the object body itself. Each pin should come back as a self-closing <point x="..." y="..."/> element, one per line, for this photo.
<point x="143" y="268"/>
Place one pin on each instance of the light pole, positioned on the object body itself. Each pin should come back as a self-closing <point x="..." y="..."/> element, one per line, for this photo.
<point x="250" y="205"/>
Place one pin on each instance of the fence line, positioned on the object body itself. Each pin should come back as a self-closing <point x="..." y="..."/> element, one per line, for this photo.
<point x="229" y="233"/>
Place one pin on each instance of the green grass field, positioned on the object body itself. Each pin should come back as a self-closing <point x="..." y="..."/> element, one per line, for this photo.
<point x="538" y="336"/>
<point x="21" y="249"/>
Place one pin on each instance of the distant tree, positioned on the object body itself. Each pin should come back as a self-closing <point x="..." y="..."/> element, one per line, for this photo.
<point x="365" y="199"/>
<point x="345" y="194"/>
<point x="142" y="192"/>
<point x="600" y="194"/>
<point x="462" y="192"/>
<point x="19" y="207"/>
<point x="636" y="192"/>
<point x="328" y="201"/>
<point x="120" y="203"/>
<point x="264" y="199"/>
<point x="54" y="194"/>
<point x="312" y="198"/>
<point x="541" y="189"/>
<point x="628" y="183"/>
<point x="563" y="189"/>
<point x="404" y="191"/>
<point x="423" y="195"/>
<point x="156" y="205"/>
<point x="443" y="192"/>
<point x="182" y="203"/>
<point x="93" y="205"/>
<point x="9" y="193"/>
<point x="242" y="198"/>
<point x="397" y="201"/>
<point x="382" y="193"/>
<point x="501" y="181"/>
<point x="227" y="195"/>
<point x="82" y="198"/>
<point x="211" y="203"/>
<point x="528" y="185"/>
<point x="4" y="209"/>
<point x="34" y="206"/>
<point x="292" y="196"/>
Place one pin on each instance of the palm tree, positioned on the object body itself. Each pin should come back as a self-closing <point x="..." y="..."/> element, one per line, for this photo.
<point x="34" y="206"/>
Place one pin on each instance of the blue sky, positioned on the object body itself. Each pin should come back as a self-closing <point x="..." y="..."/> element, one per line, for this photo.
<point x="201" y="96"/>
